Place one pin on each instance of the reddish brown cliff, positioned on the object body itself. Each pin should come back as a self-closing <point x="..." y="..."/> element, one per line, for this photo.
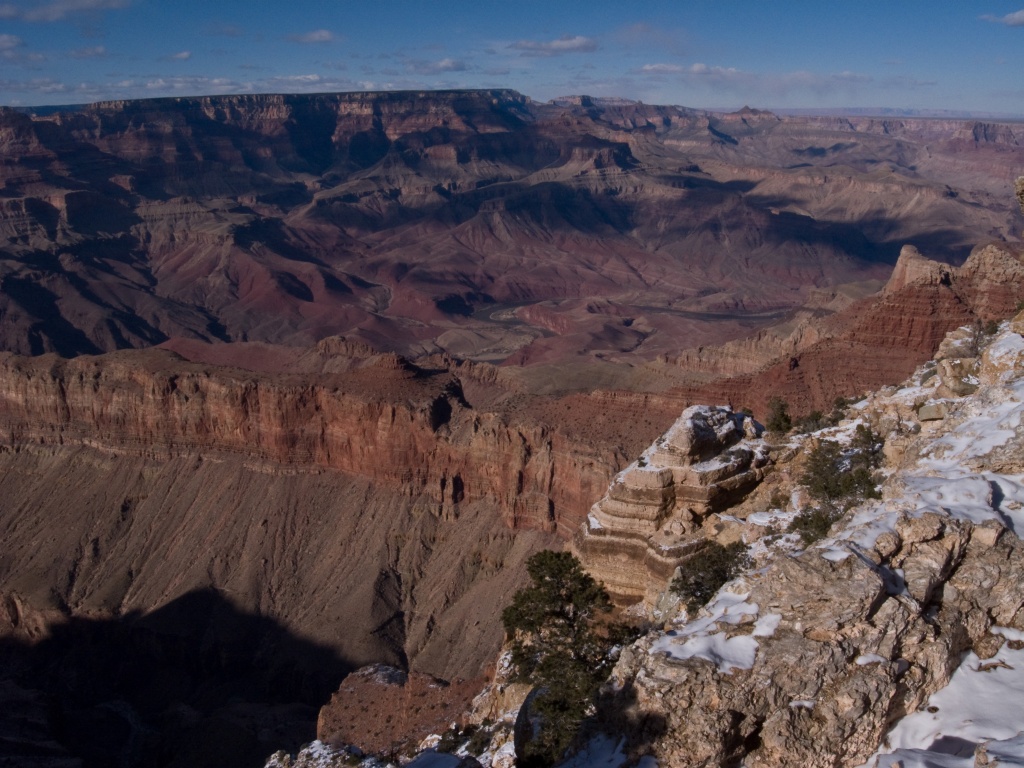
<point x="387" y="422"/>
<point x="878" y="340"/>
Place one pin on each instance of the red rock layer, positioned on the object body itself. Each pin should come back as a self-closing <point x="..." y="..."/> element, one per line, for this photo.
<point x="414" y="432"/>
<point x="881" y="339"/>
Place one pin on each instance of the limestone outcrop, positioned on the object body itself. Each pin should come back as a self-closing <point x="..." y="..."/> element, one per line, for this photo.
<point x="659" y="510"/>
<point x="853" y="649"/>
<point x="811" y="657"/>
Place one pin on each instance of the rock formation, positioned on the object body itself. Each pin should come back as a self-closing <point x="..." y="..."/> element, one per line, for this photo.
<point x="413" y="221"/>
<point x="813" y="656"/>
<point x="659" y="510"/>
<point x="879" y="339"/>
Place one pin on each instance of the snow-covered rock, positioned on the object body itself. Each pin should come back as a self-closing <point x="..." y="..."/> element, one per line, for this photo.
<point x="812" y="659"/>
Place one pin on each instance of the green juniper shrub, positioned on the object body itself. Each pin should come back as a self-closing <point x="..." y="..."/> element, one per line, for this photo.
<point x="451" y="740"/>
<point x="816" y="420"/>
<point x="560" y="644"/>
<point x="778" y="419"/>
<point x="480" y="739"/>
<point x="812" y="422"/>
<point x="844" y="477"/>
<point x="814" y="523"/>
<point x="703" y="575"/>
<point x="842" y="403"/>
<point x="838" y="479"/>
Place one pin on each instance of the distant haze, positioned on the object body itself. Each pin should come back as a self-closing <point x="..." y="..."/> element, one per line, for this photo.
<point x="955" y="59"/>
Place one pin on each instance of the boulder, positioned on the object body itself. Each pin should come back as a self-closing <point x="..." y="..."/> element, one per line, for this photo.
<point x="659" y="511"/>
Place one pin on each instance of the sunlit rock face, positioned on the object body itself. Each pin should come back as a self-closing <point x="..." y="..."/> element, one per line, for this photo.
<point x="658" y="511"/>
<point x="815" y="653"/>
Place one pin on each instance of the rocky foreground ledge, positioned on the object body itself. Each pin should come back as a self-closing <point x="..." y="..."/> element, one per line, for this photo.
<point x="818" y="655"/>
<point x="812" y="657"/>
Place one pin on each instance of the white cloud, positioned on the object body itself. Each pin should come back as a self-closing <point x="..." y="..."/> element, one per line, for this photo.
<point x="94" y="52"/>
<point x="11" y="49"/>
<point x="182" y="55"/>
<point x="563" y="45"/>
<point x="759" y="86"/>
<point x="1015" y="19"/>
<point x="316" y="36"/>
<point x="436" y="67"/>
<point x="58" y="9"/>
<point x="661" y="69"/>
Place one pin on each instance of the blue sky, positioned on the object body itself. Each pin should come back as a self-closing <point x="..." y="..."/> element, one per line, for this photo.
<point x="965" y="55"/>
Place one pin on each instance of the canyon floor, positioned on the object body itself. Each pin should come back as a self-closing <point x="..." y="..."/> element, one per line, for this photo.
<point x="308" y="378"/>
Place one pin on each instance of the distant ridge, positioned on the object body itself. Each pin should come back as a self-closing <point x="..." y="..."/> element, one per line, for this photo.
<point x="581" y="100"/>
<point x="947" y="114"/>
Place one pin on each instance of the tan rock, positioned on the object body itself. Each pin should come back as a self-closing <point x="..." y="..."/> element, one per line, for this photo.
<point x="659" y="511"/>
<point x="1001" y="359"/>
<point x="850" y="655"/>
<point x="912" y="268"/>
<point x="926" y="527"/>
<point x="933" y="411"/>
<point x="959" y="377"/>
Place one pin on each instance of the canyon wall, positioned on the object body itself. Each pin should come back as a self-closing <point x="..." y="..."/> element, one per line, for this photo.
<point x="416" y="434"/>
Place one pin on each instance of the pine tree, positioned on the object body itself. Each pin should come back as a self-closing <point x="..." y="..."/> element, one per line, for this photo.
<point x="558" y="646"/>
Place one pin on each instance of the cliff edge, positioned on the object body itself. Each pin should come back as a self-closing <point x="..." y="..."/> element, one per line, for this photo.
<point x="817" y="652"/>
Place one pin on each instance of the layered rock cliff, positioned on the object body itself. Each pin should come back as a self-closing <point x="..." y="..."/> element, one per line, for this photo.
<point x="409" y="219"/>
<point x="388" y="422"/>
<point x="658" y="512"/>
<point x="876" y="340"/>
<point x="255" y="537"/>
<point x="811" y="657"/>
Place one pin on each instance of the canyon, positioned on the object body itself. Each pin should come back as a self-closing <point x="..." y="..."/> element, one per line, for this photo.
<point x="295" y="384"/>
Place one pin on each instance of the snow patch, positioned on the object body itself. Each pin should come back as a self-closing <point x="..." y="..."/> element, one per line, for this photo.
<point x="767" y="624"/>
<point x="727" y="653"/>
<point x="869" y="658"/>
<point x="982" y="702"/>
<point x="601" y="752"/>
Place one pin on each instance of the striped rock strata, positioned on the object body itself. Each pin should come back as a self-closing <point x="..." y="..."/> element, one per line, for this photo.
<point x="660" y="510"/>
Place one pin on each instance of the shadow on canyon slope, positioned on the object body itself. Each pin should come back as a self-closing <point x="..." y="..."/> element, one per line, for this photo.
<point x="619" y="713"/>
<point x="194" y="683"/>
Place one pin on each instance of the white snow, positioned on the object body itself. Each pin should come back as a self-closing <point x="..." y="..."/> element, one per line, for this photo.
<point x="983" y="702"/>
<point x="1006" y="348"/>
<point x="767" y="624"/>
<point x="869" y="658"/>
<point x="835" y="554"/>
<point x="432" y="759"/>
<point x="699" y="639"/>
<point x="601" y="752"/>
<point x="1009" y="633"/>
